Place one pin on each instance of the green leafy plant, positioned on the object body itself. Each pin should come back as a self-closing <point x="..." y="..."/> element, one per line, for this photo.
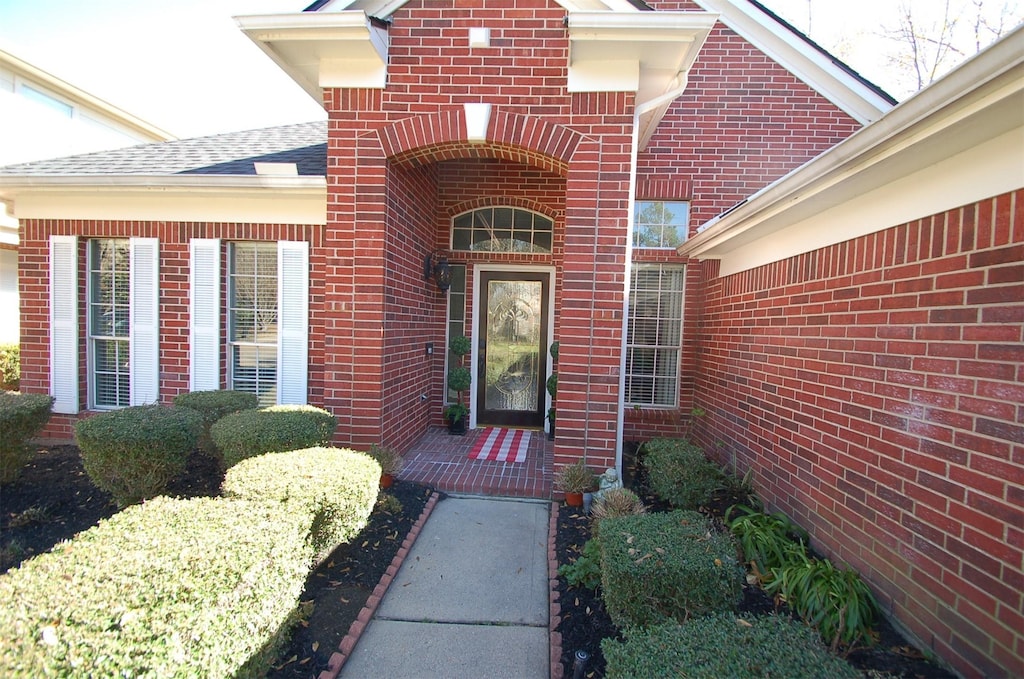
<point x="249" y="433"/>
<point x="10" y="366"/>
<point x="585" y="571"/>
<point x="575" y="478"/>
<point x="213" y="405"/>
<point x="768" y="540"/>
<point x="679" y="472"/>
<point x="664" y="566"/>
<point x="22" y="416"/>
<point x="133" y="453"/>
<point x="459" y="379"/>
<point x="834" y="601"/>
<point x="552" y="388"/>
<point x="724" y="645"/>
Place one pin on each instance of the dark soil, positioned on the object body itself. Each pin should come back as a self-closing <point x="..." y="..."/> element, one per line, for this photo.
<point x="54" y="499"/>
<point x="585" y="622"/>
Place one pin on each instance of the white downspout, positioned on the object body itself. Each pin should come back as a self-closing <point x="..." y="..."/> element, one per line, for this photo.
<point x="640" y="109"/>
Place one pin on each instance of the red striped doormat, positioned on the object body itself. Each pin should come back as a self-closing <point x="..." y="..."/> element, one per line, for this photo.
<point x="501" y="445"/>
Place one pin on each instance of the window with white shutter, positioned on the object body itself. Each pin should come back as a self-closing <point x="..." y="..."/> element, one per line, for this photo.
<point x="253" y="319"/>
<point x="144" y="328"/>
<point x="109" y="323"/>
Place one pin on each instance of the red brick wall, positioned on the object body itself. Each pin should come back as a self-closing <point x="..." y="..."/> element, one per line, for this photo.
<point x="34" y="286"/>
<point x="876" y="390"/>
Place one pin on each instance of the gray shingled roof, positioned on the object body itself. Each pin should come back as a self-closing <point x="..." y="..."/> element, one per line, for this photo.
<point x="226" y="154"/>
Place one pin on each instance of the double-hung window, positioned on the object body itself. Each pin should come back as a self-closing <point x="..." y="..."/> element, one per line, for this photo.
<point x="122" y="347"/>
<point x="660" y="223"/>
<point x="654" y="335"/>
<point x="266" y="318"/>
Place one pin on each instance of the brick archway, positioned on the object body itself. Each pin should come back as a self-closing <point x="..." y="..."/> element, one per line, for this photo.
<point x="426" y="139"/>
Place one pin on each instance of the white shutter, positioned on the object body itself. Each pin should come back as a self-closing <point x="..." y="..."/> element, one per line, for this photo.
<point x="64" y="323"/>
<point x="144" y="332"/>
<point x="293" y="321"/>
<point x="204" y="314"/>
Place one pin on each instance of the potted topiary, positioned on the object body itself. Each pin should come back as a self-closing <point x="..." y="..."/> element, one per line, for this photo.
<point x="552" y="387"/>
<point x="574" y="480"/>
<point x="390" y="463"/>
<point x="459" y="380"/>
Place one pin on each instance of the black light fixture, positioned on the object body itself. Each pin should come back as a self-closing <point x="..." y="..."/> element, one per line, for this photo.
<point x="436" y="267"/>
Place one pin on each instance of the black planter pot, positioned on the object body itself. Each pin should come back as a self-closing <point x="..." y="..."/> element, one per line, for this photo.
<point x="551" y="432"/>
<point x="457" y="427"/>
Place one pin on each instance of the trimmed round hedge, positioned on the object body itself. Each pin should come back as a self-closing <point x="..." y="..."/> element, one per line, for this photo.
<point x="213" y="405"/>
<point x="277" y="429"/>
<point x="133" y="453"/>
<point x="22" y="416"/>
<point x="335" y="488"/>
<point x="724" y="645"/>
<point x="679" y="472"/>
<point x="205" y="587"/>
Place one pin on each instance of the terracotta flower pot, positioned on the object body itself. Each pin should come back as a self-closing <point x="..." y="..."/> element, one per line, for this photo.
<point x="574" y="499"/>
<point x="386" y="480"/>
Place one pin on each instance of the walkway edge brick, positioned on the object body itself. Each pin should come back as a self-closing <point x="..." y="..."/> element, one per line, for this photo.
<point x="348" y="643"/>
<point x="554" y="619"/>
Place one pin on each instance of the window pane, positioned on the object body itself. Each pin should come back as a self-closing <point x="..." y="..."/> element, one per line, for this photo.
<point x="654" y="335"/>
<point x="108" y="322"/>
<point x="660" y="224"/>
<point x="252" y="319"/>
<point x="502" y="229"/>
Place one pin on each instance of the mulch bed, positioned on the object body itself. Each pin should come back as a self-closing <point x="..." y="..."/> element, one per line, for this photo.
<point x="585" y="622"/>
<point x="54" y="499"/>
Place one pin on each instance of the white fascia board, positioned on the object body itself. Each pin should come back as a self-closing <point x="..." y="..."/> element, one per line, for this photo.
<point x="185" y="198"/>
<point x="981" y="101"/>
<point x="806" y="63"/>
<point x="310" y="46"/>
<point x="385" y="8"/>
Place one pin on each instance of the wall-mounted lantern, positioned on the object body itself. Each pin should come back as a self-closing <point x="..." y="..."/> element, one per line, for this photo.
<point x="436" y="266"/>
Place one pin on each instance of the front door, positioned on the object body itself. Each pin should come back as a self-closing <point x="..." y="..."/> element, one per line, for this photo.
<point x="512" y="346"/>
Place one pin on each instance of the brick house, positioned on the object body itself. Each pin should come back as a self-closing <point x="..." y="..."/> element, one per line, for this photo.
<point x="699" y="205"/>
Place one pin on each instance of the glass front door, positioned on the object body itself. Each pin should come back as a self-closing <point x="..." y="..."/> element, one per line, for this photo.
<point x="513" y="349"/>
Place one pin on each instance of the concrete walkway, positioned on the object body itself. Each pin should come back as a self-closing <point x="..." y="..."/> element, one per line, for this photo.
<point x="470" y="600"/>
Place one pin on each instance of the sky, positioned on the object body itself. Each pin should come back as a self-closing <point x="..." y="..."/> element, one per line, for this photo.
<point x="184" y="66"/>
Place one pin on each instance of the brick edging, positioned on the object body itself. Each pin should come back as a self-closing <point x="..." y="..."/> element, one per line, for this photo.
<point x="555" y="614"/>
<point x="338" y="658"/>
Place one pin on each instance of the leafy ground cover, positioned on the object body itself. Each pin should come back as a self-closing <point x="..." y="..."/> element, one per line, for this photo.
<point x="54" y="499"/>
<point x="584" y="620"/>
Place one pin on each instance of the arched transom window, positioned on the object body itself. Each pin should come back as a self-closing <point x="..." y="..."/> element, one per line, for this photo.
<point x="502" y="229"/>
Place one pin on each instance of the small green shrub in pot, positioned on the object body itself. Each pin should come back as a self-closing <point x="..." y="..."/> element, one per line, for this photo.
<point x="22" y="416"/>
<point x="665" y="566"/>
<point x="724" y="645"/>
<point x="575" y="478"/>
<point x="335" y="488"/>
<point x="133" y="453"/>
<point x="213" y="405"/>
<point x="679" y="472"/>
<point x="277" y="429"/>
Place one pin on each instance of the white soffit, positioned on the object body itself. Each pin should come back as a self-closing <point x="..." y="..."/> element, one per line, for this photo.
<point x="184" y="198"/>
<point x="806" y="63"/>
<point x="608" y="49"/>
<point x="979" y="106"/>
<point x="385" y="8"/>
<point x="323" y="49"/>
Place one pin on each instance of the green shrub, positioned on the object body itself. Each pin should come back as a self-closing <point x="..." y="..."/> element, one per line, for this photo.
<point x="679" y="473"/>
<point x="657" y="567"/>
<point x="586" y="569"/>
<point x="133" y="453"/>
<point x="10" y="366"/>
<point x="22" y="416"/>
<point x="206" y="587"/>
<point x="249" y="433"/>
<point x="835" y="602"/>
<point x="213" y="405"/>
<point x="335" y="489"/>
<point x="768" y="540"/>
<point x="723" y="645"/>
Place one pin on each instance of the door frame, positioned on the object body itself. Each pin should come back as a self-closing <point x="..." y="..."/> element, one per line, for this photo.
<point x="480" y="269"/>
